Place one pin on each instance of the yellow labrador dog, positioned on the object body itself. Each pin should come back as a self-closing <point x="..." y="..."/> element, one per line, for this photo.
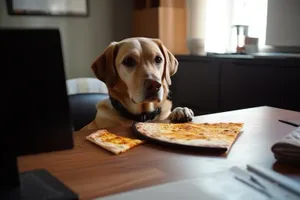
<point x="137" y="73"/>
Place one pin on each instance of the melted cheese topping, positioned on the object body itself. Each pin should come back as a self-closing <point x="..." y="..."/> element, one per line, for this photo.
<point x="112" y="142"/>
<point x="192" y="133"/>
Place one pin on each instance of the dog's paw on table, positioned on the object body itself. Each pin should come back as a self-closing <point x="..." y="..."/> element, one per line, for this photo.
<point x="181" y="114"/>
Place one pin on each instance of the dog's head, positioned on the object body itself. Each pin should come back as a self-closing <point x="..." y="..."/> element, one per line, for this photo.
<point x="143" y="65"/>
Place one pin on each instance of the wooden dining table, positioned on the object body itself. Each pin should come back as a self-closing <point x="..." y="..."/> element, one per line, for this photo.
<point x="91" y="171"/>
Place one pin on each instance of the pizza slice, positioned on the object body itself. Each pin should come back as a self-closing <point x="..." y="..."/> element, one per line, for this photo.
<point x="112" y="142"/>
<point x="212" y="135"/>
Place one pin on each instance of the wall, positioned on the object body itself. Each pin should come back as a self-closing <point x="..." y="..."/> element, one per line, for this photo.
<point x="83" y="39"/>
<point x="283" y="27"/>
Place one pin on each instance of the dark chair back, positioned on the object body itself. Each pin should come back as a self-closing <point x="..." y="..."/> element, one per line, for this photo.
<point x="83" y="108"/>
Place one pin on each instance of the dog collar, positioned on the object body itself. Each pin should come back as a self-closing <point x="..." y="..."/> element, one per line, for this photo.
<point x="145" y="116"/>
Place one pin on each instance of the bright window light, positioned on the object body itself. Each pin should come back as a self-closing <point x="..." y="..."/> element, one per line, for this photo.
<point x="222" y="14"/>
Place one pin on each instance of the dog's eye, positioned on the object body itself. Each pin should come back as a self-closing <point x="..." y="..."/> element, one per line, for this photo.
<point x="158" y="59"/>
<point x="129" y="62"/>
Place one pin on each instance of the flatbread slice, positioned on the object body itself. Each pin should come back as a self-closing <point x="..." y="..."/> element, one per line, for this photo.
<point x="113" y="143"/>
<point x="212" y="135"/>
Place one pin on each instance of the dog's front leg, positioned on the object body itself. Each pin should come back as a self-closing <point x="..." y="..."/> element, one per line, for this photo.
<point x="181" y="114"/>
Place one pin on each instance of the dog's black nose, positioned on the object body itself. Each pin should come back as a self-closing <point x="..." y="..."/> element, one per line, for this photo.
<point x="151" y="85"/>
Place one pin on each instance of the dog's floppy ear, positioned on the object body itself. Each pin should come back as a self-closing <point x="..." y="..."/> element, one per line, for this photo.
<point x="171" y="63"/>
<point x="104" y="66"/>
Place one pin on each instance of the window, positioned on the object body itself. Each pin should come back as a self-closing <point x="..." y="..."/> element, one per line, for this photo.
<point x="222" y="14"/>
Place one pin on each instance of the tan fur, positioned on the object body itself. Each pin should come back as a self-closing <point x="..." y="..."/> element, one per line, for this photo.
<point x="126" y="84"/>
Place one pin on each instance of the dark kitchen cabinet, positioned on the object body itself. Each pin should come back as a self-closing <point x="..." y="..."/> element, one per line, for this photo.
<point x="216" y="84"/>
<point x="289" y="86"/>
<point x="249" y="83"/>
<point x="196" y="85"/>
